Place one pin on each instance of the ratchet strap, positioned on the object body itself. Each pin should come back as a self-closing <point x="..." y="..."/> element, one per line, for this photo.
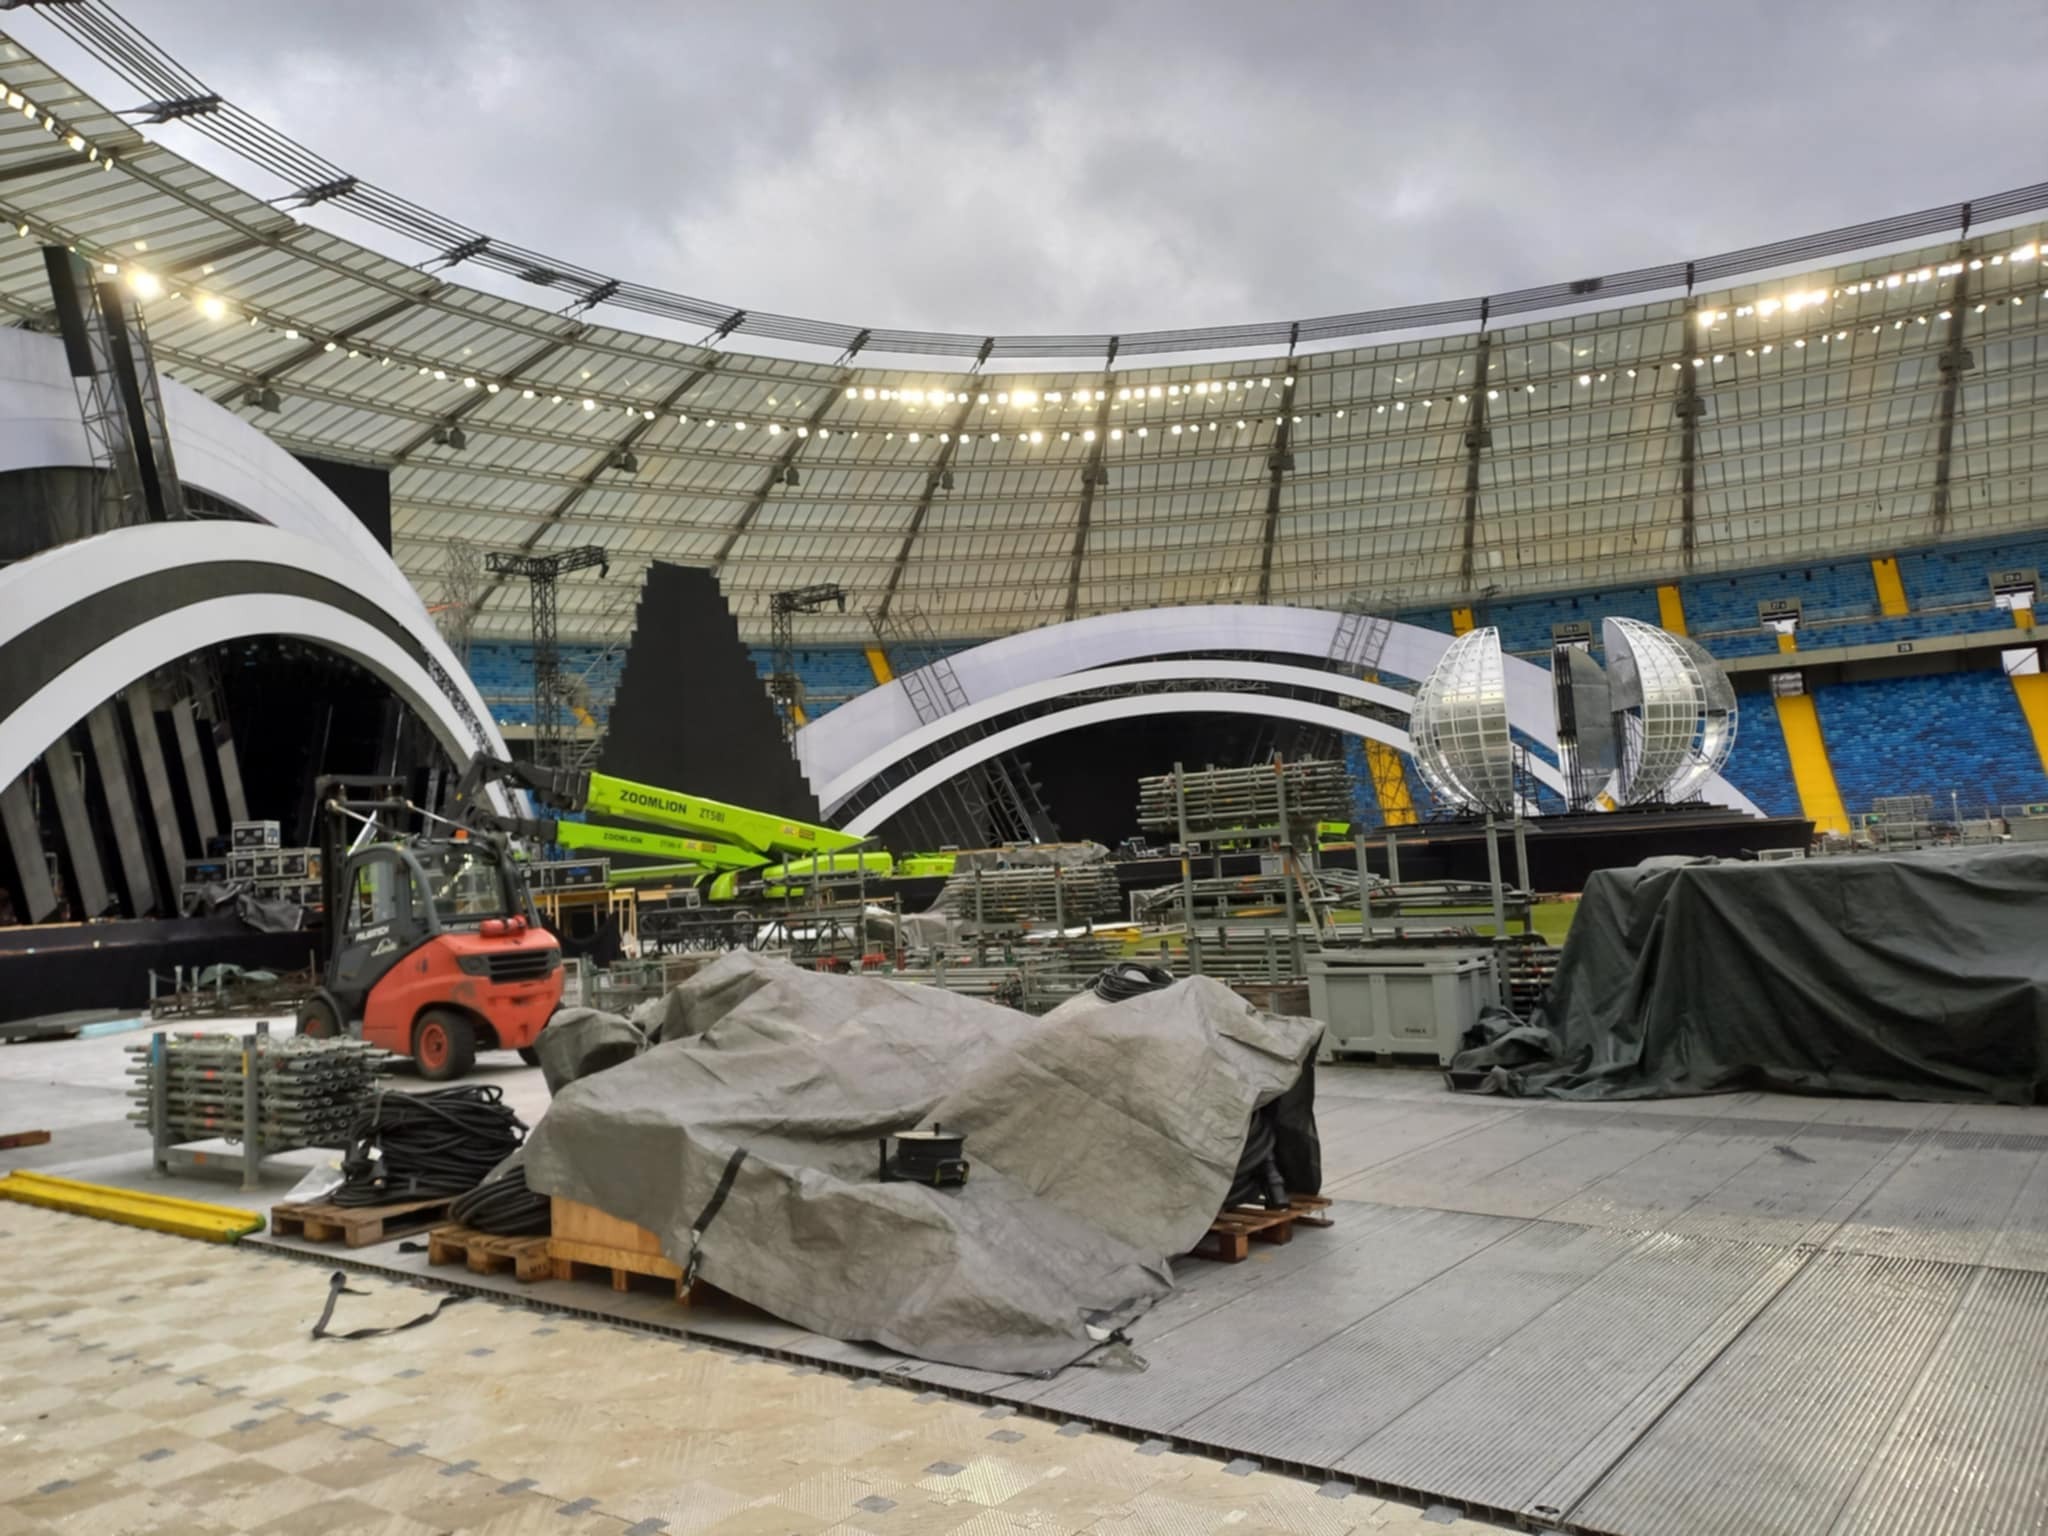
<point x="711" y="1209"/>
<point x="338" y="1287"/>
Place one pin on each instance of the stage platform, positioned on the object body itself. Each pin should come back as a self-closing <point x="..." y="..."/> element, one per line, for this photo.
<point x="1742" y="1314"/>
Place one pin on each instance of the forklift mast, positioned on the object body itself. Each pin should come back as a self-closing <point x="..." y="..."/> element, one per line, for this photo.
<point x="365" y="794"/>
<point x="341" y="798"/>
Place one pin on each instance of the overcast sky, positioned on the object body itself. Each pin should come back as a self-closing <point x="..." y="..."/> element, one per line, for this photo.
<point x="1054" y="167"/>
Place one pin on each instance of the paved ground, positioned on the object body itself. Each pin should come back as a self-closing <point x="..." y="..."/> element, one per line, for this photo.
<point x="1738" y="1315"/>
<point x="158" y="1385"/>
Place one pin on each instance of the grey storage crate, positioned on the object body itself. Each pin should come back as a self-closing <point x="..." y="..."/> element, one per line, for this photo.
<point x="1399" y="1002"/>
<point x="254" y="834"/>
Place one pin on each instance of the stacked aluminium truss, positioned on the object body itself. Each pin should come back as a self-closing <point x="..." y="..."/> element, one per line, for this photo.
<point x="1222" y="799"/>
<point x="309" y="1093"/>
<point x="1055" y="893"/>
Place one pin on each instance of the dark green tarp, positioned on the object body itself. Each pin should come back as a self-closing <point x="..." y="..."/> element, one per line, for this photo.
<point x="1909" y="976"/>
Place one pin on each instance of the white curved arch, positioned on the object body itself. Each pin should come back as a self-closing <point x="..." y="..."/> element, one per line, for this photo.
<point x="833" y="795"/>
<point x="75" y="692"/>
<point x="216" y="451"/>
<point x="48" y="583"/>
<point x="1025" y="732"/>
<point x="834" y="742"/>
<point x="865" y="726"/>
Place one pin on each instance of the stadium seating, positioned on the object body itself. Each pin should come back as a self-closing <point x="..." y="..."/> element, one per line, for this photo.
<point x="1759" y="766"/>
<point x="503" y="673"/>
<point x="1959" y="733"/>
<point x="1946" y="590"/>
<point x="830" y="674"/>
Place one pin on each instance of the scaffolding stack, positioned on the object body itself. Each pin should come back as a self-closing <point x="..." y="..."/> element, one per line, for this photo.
<point x="1065" y="895"/>
<point x="1255" y="799"/>
<point x="293" y="1091"/>
<point x="1901" y="821"/>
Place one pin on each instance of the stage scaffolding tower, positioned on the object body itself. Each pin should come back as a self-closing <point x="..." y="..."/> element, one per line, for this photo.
<point x="550" y="741"/>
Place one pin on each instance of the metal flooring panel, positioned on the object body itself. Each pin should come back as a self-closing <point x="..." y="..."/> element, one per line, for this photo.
<point x="959" y="1378"/>
<point x="1775" y="1434"/>
<point x="1362" y="1138"/>
<point x="1966" y="1455"/>
<point x="1945" y="1203"/>
<point x="1667" y="1181"/>
<point x="1562" y="1172"/>
<point x="1458" y="1174"/>
<point x="1200" y="1287"/>
<point x="1572" y="1389"/>
<point x="1312" y="1409"/>
<point x="2023" y="1242"/>
<point x="1278" y="1328"/>
<point x="1797" y="1190"/>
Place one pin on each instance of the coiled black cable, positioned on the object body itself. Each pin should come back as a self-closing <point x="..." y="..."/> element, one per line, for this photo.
<point x="503" y="1207"/>
<point x="1130" y="978"/>
<point x="443" y="1142"/>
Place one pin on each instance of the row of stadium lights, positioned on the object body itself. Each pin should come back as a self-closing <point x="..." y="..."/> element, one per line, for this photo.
<point x="148" y="286"/>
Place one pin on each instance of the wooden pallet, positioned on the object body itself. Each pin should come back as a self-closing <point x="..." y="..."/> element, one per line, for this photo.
<point x="586" y="1243"/>
<point x="1229" y="1237"/>
<point x="486" y="1254"/>
<point x="356" y="1225"/>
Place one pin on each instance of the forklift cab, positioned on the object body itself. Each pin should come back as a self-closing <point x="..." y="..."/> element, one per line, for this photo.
<point x="398" y="896"/>
<point x="435" y="951"/>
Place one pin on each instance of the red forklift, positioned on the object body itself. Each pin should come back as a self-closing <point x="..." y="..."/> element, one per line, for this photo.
<point x="434" y="949"/>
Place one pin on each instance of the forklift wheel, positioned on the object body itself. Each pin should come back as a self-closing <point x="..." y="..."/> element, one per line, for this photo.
<point x="317" y="1019"/>
<point x="530" y="1055"/>
<point x="444" y="1045"/>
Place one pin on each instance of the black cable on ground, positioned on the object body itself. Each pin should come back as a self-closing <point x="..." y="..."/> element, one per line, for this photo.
<point x="503" y="1207"/>
<point x="443" y="1142"/>
<point x="1130" y="978"/>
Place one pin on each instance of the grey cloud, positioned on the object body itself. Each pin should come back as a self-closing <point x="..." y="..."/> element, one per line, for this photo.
<point x="1070" y="167"/>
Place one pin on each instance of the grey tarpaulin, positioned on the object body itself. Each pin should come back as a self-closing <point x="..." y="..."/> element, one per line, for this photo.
<point x="1912" y="976"/>
<point x="1102" y="1144"/>
<point x="580" y="1041"/>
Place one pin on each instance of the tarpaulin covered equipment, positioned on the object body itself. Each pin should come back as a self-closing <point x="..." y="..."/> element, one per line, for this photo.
<point x="1913" y="976"/>
<point x="1102" y="1143"/>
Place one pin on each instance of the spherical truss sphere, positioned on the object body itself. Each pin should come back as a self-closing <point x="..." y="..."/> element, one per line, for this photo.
<point x="1459" y="726"/>
<point x="1682" y="707"/>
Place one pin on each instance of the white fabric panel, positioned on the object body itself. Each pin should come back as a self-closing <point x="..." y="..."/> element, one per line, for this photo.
<point x="34" y="589"/>
<point x="1192" y="670"/>
<point x="309" y="527"/>
<point x="68" y="698"/>
<point x="1028" y="731"/>
<point x="832" y="744"/>
<point x="863" y="728"/>
<point x="216" y="451"/>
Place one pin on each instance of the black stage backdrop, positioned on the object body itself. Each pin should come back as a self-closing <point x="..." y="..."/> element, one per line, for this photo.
<point x="691" y="712"/>
<point x="364" y="490"/>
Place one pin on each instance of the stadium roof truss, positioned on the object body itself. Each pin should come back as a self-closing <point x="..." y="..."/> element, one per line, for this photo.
<point x="1720" y="421"/>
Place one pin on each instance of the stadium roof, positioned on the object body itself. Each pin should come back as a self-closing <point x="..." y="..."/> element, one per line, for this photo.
<point x="1722" y="419"/>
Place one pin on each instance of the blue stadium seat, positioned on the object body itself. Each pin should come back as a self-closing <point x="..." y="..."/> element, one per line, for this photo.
<point x="1759" y="766"/>
<point x="1956" y="733"/>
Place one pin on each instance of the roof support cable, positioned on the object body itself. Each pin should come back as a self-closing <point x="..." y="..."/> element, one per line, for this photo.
<point x="1478" y="438"/>
<point x="1955" y="360"/>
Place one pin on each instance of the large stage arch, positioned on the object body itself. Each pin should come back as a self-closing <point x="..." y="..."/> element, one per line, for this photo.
<point x="846" y="749"/>
<point x="82" y="620"/>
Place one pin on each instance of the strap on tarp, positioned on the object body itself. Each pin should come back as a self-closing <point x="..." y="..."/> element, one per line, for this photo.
<point x="711" y="1209"/>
